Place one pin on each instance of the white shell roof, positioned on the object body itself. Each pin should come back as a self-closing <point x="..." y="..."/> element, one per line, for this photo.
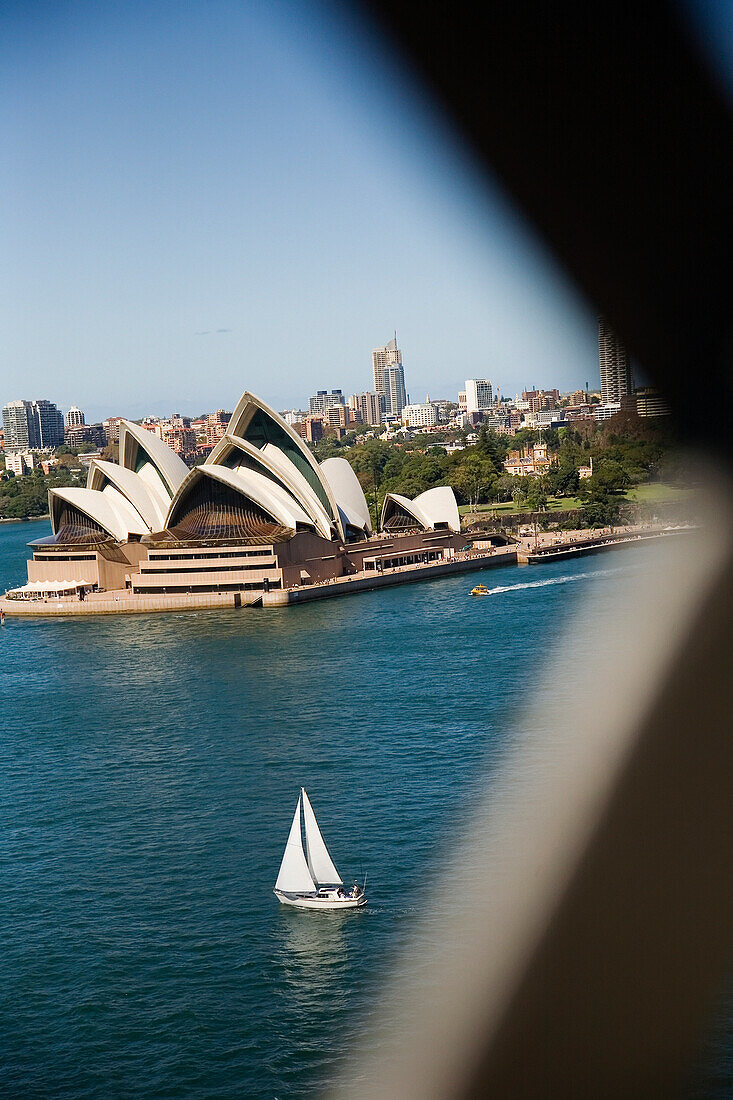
<point x="429" y="508"/>
<point x="279" y="465"/>
<point x="440" y="506"/>
<point x="271" y="497"/>
<point x="349" y="494"/>
<point x="132" y="486"/>
<point x="119" y="521"/>
<point x="172" y="469"/>
<point x="246" y="408"/>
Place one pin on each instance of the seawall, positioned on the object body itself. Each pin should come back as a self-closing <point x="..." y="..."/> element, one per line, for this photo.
<point x="408" y="574"/>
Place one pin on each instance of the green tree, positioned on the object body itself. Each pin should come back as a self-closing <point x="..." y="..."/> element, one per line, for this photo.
<point x="474" y="479"/>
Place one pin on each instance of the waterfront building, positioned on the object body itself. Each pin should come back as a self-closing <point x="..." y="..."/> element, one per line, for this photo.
<point x="420" y="416"/>
<point x="260" y="513"/>
<point x="368" y="407"/>
<point x="75" y="418"/>
<point x="323" y="400"/>
<point x="479" y="395"/>
<point x="32" y="425"/>
<point x="293" y="416"/>
<point x="616" y="379"/>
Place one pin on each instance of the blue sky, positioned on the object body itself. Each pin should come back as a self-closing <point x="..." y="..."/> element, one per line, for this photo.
<point x="205" y="197"/>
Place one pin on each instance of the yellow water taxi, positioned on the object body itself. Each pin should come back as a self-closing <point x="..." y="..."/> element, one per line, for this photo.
<point x="480" y="590"/>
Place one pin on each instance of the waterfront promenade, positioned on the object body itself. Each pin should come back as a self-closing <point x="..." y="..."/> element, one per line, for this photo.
<point x="554" y="546"/>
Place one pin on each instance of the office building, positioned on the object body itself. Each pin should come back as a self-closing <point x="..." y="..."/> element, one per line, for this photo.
<point x="616" y="380"/>
<point x="388" y="356"/>
<point x="420" y="416"/>
<point x="323" y="400"/>
<point x="395" y="397"/>
<point x="479" y="395"/>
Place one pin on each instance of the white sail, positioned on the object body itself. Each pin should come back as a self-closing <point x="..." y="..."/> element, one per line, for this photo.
<point x="319" y="861"/>
<point x="294" y="876"/>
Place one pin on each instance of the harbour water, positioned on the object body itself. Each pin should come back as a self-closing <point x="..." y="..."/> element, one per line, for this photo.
<point x="150" y="768"/>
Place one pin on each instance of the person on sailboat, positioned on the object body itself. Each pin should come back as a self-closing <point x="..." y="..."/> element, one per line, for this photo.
<point x="355" y="890"/>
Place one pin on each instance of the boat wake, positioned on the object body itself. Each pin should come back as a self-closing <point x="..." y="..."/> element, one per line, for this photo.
<point x="500" y="589"/>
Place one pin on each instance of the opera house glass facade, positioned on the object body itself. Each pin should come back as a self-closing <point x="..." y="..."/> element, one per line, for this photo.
<point x="261" y="513"/>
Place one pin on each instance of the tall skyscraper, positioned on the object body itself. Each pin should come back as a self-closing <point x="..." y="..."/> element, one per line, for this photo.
<point x="75" y="418"/>
<point x="616" y="380"/>
<point x="395" y="396"/>
<point x="32" y="424"/>
<point x="50" y="424"/>
<point x="389" y="377"/>
<point x="18" y="426"/>
<point x="479" y="395"/>
<point x="388" y="356"/>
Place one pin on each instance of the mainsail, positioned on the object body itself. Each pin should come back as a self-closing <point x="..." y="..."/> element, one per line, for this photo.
<point x="319" y="861"/>
<point x="294" y="876"/>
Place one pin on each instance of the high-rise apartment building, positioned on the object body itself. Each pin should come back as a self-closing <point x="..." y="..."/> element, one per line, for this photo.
<point x="75" y="418"/>
<point x="215" y="425"/>
<point x="479" y="395"/>
<point x="50" y="424"/>
<point x="616" y="380"/>
<point x="395" y="397"/>
<point x="32" y="424"/>
<point x="368" y="407"/>
<point x="323" y="400"/>
<point x="18" y="425"/>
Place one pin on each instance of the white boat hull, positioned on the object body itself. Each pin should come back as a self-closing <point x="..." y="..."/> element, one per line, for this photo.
<point x="329" y="901"/>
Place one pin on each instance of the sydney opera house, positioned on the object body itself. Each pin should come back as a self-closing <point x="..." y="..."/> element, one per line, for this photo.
<point x="260" y="514"/>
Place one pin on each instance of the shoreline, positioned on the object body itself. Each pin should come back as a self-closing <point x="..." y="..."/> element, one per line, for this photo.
<point x="24" y="519"/>
<point x="123" y="602"/>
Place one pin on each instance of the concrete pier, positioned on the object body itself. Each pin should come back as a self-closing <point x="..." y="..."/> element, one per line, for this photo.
<point x="577" y="544"/>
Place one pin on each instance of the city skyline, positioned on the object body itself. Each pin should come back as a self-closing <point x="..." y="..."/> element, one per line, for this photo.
<point x="252" y="226"/>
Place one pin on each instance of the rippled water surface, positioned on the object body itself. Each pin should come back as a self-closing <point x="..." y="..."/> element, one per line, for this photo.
<point x="150" y="767"/>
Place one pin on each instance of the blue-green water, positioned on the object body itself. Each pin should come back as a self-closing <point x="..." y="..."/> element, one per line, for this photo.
<point x="150" y="767"/>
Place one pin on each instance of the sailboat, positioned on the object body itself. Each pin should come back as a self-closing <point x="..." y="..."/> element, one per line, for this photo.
<point x="308" y="879"/>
